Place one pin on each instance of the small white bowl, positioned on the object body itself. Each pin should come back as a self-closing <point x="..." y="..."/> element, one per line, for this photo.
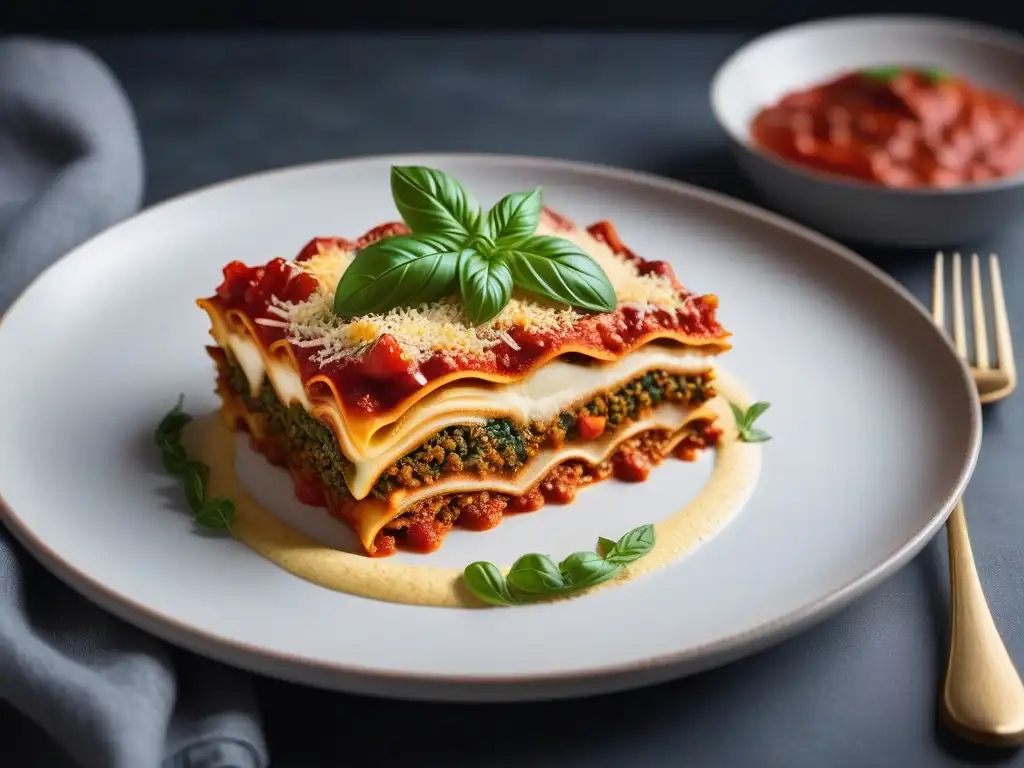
<point x="765" y="69"/>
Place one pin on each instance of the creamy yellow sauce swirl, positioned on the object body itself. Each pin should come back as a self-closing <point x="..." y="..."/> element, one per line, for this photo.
<point x="736" y="469"/>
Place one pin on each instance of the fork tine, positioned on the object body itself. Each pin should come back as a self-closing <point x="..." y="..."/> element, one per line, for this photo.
<point x="938" y="293"/>
<point x="959" y="326"/>
<point x="978" y="315"/>
<point x="1004" y="345"/>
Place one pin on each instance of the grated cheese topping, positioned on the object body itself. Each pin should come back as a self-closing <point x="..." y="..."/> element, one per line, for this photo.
<point x="443" y="326"/>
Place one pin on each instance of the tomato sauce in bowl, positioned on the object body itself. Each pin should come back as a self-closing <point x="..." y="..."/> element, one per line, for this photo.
<point x="897" y="127"/>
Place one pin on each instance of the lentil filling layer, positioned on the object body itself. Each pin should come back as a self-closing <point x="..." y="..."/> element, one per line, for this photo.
<point x="498" y="445"/>
<point x="423" y="527"/>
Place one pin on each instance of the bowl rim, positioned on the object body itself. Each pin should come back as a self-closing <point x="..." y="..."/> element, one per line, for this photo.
<point x="984" y="32"/>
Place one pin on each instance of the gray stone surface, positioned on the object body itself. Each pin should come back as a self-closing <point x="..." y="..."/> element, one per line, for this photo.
<point x="858" y="691"/>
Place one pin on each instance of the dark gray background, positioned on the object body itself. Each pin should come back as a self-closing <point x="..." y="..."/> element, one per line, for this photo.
<point x="164" y="15"/>
<point x="858" y="691"/>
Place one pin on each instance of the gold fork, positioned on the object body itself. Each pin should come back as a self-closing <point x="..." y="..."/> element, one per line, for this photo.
<point x="983" y="696"/>
<point x="993" y="383"/>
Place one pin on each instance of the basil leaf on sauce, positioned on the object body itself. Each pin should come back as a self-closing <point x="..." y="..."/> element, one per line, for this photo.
<point x="172" y="456"/>
<point x="754" y="435"/>
<point x="754" y="411"/>
<point x="535" y="574"/>
<point x="882" y="74"/>
<point x="587" y="569"/>
<point x="534" y="577"/>
<point x="486" y="581"/>
<point x="171" y="425"/>
<point x="935" y="75"/>
<point x="745" y="422"/>
<point x="394" y="272"/>
<point x="194" y="480"/>
<point x="214" y="514"/>
<point x="604" y="546"/>
<point x="433" y="203"/>
<point x="888" y="74"/>
<point x="514" y="218"/>
<point x="632" y="546"/>
<point x="503" y="253"/>
<point x="559" y="269"/>
<point x="485" y="284"/>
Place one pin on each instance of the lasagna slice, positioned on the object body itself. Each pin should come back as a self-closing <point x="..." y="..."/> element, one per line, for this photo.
<point x="410" y="422"/>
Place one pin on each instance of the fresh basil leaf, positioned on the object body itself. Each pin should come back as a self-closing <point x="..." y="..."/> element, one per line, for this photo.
<point x="586" y="569"/>
<point x="394" y="272"/>
<point x="632" y="546"/>
<point x="756" y="410"/>
<point x="754" y="435"/>
<point x="514" y="218"/>
<point x="173" y="422"/>
<point x="882" y="74"/>
<point x="216" y="514"/>
<point x="604" y="546"/>
<point x="535" y="574"/>
<point x="486" y="581"/>
<point x="935" y="75"/>
<point x="745" y="422"/>
<point x="485" y="284"/>
<point x="433" y="203"/>
<point x="194" y="479"/>
<point x="888" y="74"/>
<point x="173" y="457"/>
<point x="560" y="270"/>
<point x="739" y="415"/>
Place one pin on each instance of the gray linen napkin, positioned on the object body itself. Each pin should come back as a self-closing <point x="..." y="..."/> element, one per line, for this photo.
<point x="107" y="694"/>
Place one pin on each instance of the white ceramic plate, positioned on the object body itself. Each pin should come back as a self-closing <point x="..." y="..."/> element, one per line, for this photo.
<point x="876" y="429"/>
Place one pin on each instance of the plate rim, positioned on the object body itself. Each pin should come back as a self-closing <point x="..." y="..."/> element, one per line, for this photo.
<point x="242" y="654"/>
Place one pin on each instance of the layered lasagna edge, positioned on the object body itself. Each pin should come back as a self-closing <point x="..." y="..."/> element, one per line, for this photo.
<point x="469" y="447"/>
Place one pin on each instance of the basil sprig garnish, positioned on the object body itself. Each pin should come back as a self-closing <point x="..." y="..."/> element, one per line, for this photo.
<point x="454" y="246"/>
<point x="888" y="74"/>
<point x="536" y="577"/>
<point x="935" y="75"/>
<point x="745" y="422"/>
<point x="214" y="514"/>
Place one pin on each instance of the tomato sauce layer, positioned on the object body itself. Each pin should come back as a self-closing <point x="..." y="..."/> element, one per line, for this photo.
<point x="424" y="528"/>
<point x="909" y="129"/>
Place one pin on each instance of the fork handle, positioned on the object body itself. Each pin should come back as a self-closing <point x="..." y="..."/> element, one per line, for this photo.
<point x="983" y="697"/>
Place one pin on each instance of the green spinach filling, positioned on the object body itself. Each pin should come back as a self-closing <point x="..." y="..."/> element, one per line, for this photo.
<point x="311" y="442"/>
<point x="497" y="445"/>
